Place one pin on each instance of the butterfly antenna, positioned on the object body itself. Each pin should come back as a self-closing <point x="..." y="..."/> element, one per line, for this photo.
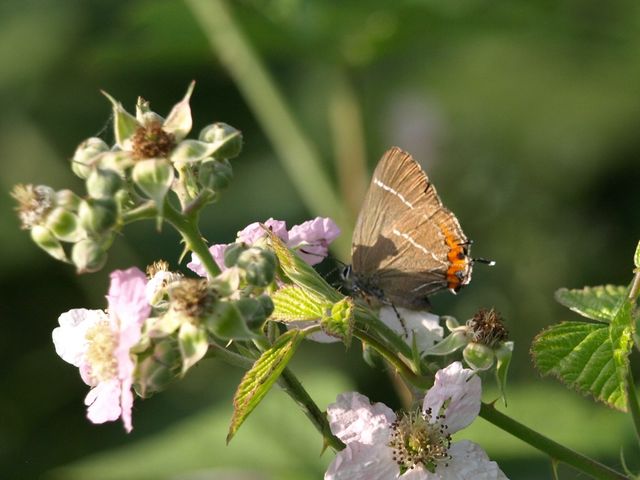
<point x="491" y="263"/>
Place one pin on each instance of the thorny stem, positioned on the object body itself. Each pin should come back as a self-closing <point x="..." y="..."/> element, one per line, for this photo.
<point x="556" y="451"/>
<point x="292" y="386"/>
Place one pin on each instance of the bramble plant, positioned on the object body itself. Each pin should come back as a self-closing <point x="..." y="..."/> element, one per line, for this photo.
<point x="252" y="302"/>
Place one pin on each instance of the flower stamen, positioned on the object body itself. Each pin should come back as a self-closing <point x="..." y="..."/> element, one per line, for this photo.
<point x="151" y="141"/>
<point x="100" y="353"/>
<point x="487" y="328"/>
<point x="34" y="203"/>
<point x="415" y="441"/>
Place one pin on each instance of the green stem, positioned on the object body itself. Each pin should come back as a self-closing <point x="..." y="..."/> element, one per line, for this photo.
<point x="192" y="238"/>
<point x="551" y="448"/>
<point x="634" y="406"/>
<point x="405" y="371"/>
<point x="142" y="212"/>
<point x="292" y="386"/>
<point x="298" y="155"/>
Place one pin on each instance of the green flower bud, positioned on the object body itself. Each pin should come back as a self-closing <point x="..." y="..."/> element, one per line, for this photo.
<point x="478" y="356"/>
<point x="43" y="237"/>
<point x="232" y="252"/>
<point x="98" y="215"/>
<point x="117" y="161"/>
<point x="229" y="139"/>
<point x="103" y="183"/>
<point x="267" y="304"/>
<point x="215" y="174"/>
<point x="228" y="323"/>
<point x="88" y="256"/>
<point x="86" y="155"/>
<point x="64" y="225"/>
<point x="157" y="367"/>
<point x="253" y="313"/>
<point x="67" y="199"/>
<point x="154" y="177"/>
<point x="259" y="266"/>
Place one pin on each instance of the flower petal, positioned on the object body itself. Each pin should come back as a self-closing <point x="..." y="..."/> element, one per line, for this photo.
<point x="469" y="460"/>
<point x="254" y="231"/>
<point x="70" y="337"/>
<point x="424" y="326"/>
<point x="461" y="390"/>
<point x="363" y="462"/>
<point x="312" y="238"/>
<point x="354" y="419"/>
<point x="128" y="303"/>
<point x="217" y="251"/>
<point x="104" y="402"/>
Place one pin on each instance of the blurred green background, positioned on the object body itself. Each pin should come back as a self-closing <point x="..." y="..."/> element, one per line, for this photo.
<point x="524" y="114"/>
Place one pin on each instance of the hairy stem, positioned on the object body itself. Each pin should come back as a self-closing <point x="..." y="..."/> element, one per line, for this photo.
<point x="553" y="449"/>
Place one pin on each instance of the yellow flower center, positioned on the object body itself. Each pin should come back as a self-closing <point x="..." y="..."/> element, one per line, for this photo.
<point x="101" y="352"/>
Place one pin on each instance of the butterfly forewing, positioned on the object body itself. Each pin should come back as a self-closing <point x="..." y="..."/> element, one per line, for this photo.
<point x="404" y="234"/>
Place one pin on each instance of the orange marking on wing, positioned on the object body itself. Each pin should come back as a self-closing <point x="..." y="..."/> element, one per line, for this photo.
<point x="457" y="259"/>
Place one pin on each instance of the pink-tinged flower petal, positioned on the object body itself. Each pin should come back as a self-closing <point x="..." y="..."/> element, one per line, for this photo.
<point x="128" y="303"/>
<point x="364" y="462"/>
<point x="424" y="326"/>
<point x="217" y="251"/>
<point x="311" y="239"/>
<point x="354" y="419"/>
<point x="104" y="402"/>
<point x="461" y="390"/>
<point x="126" y="404"/>
<point x="254" y="231"/>
<point x="70" y="337"/>
<point x="469" y="460"/>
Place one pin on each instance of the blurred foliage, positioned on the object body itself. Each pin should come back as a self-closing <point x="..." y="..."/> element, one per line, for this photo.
<point x="523" y="113"/>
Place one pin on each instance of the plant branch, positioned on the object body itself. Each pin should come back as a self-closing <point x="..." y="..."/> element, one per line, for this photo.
<point x="632" y="400"/>
<point x="553" y="449"/>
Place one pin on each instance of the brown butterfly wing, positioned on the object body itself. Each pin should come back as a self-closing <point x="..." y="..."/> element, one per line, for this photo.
<point x="400" y="238"/>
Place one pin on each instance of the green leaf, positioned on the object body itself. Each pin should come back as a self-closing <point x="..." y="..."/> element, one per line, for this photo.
<point x="294" y="304"/>
<point x="597" y="303"/>
<point x="592" y="358"/>
<point x="260" y="378"/>
<point x="300" y="272"/>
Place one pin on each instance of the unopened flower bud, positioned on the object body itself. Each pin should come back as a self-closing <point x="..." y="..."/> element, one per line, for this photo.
<point x="157" y="367"/>
<point x="67" y="199"/>
<point x="43" y="237"/>
<point x="215" y="174"/>
<point x="103" y="183"/>
<point x="64" y="225"/>
<point x="88" y="256"/>
<point x="87" y="155"/>
<point x="232" y="252"/>
<point x="98" y="215"/>
<point x="154" y="177"/>
<point x="253" y="312"/>
<point x="229" y="138"/>
<point x="259" y="266"/>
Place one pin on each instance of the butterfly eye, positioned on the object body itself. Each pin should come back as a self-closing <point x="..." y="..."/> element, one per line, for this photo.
<point x="462" y="255"/>
<point x="460" y="275"/>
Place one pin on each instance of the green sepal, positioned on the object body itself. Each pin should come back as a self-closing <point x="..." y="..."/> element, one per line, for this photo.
<point x="503" y="360"/>
<point x="124" y="124"/>
<point x="452" y="342"/>
<point x="260" y="378"/>
<point x="47" y="241"/>
<point x="227" y="322"/>
<point x="193" y="344"/>
<point x="157" y="367"/>
<point x="154" y="177"/>
<point x="636" y="256"/>
<point x="179" y="121"/>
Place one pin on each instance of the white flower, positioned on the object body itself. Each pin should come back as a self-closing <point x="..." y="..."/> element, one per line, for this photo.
<point x="381" y="445"/>
<point x="424" y="327"/>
